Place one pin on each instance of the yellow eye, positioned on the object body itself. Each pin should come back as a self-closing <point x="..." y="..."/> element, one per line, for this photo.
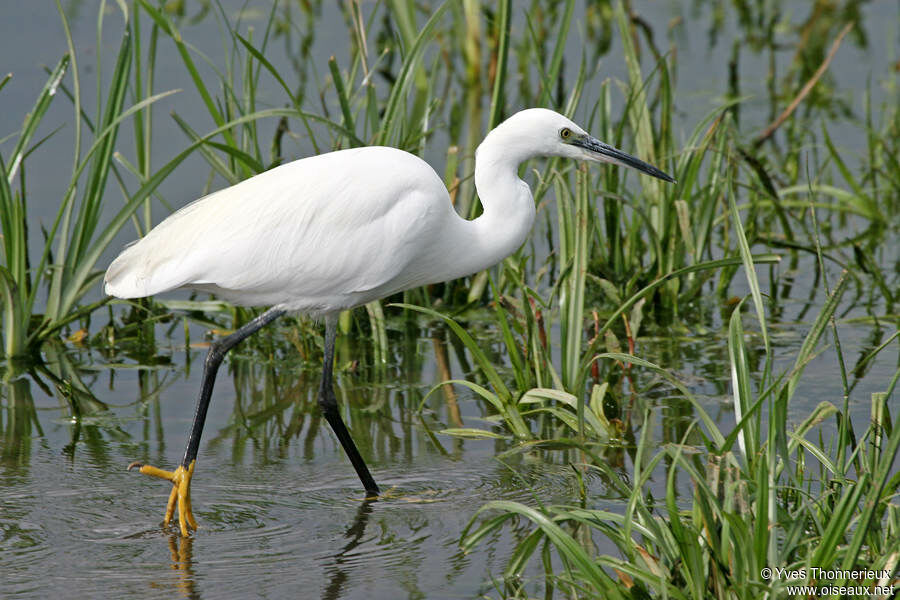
<point x="565" y="133"/>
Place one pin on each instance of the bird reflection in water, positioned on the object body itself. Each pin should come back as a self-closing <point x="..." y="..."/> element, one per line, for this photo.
<point x="337" y="574"/>
<point x="181" y="549"/>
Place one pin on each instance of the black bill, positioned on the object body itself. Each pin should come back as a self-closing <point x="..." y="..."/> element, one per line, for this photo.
<point x="615" y="155"/>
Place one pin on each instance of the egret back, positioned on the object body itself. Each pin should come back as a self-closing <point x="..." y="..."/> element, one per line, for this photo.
<point x="316" y="235"/>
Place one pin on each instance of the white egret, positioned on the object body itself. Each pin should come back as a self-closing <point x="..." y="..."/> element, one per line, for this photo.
<point x="324" y="234"/>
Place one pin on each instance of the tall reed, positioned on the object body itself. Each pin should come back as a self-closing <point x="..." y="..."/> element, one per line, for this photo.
<point x="76" y="238"/>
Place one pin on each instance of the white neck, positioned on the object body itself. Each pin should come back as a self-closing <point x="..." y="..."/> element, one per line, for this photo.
<point x="508" y="209"/>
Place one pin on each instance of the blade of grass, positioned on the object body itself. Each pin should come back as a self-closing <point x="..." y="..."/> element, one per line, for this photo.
<point x="484" y="363"/>
<point x="406" y="77"/>
<point x="503" y="35"/>
<point x="740" y="383"/>
<point x="35" y="116"/>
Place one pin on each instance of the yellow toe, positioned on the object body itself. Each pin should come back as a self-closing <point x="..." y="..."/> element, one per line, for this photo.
<point x="154" y="472"/>
<point x="180" y="495"/>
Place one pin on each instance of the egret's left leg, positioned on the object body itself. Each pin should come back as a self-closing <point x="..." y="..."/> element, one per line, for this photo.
<point x="181" y="477"/>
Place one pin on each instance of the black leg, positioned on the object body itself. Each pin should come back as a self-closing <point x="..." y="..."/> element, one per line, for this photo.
<point x="328" y="404"/>
<point x="217" y="352"/>
<point x="181" y="477"/>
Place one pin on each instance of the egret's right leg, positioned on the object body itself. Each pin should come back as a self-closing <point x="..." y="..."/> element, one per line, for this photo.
<point x="328" y="404"/>
<point x="181" y="477"/>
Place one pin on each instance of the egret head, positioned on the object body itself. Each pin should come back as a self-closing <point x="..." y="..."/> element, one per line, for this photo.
<point x="543" y="132"/>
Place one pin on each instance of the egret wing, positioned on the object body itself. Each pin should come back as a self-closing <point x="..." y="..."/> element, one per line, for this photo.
<point x="312" y="234"/>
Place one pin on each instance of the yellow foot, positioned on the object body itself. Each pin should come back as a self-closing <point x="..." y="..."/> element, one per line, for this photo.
<point x="181" y="491"/>
<point x="395" y="493"/>
<point x="388" y="494"/>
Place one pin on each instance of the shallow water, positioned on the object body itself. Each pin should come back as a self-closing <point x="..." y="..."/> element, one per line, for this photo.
<point x="288" y="519"/>
<point x="279" y="506"/>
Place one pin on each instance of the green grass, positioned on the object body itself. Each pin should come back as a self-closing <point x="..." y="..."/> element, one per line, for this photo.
<point x="764" y="494"/>
<point x="72" y="244"/>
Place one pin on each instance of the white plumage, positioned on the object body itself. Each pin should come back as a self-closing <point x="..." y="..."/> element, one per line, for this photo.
<point x="315" y="234"/>
<point x="334" y="231"/>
